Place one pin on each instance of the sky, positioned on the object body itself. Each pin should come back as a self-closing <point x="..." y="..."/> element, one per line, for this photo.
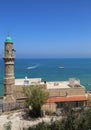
<point x="47" y="28"/>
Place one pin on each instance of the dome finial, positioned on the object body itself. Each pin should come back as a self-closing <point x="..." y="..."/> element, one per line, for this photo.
<point x="8" y="39"/>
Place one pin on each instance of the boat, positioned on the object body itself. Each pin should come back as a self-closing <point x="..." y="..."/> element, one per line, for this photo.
<point x="61" y="67"/>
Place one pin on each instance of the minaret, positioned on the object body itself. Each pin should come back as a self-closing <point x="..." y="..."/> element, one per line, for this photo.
<point x="9" y="79"/>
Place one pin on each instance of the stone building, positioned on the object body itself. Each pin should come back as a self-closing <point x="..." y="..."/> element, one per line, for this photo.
<point x="9" y="79"/>
<point x="60" y="93"/>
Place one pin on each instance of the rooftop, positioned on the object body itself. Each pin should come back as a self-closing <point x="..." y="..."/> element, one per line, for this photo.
<point x="27" y="81"/>
<point x="66" y="99"/>
<point x="58" y="84"/>
<point x="50" y="85"/>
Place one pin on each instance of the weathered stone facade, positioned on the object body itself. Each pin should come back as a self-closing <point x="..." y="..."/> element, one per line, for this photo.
<point x="67" y="92"/>
<point x="9" y="79"/>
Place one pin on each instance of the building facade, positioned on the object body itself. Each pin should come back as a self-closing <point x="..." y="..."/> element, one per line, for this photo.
<point x="9" y="79"/>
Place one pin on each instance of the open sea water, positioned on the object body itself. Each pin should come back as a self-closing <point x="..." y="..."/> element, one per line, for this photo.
<point x="48" y="70"/>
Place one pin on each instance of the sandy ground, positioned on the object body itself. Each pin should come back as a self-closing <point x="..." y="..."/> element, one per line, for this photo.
<point x="18" y="122"/>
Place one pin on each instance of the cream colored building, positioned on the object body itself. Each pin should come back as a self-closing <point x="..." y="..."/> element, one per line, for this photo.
<point x="60" y="92"/>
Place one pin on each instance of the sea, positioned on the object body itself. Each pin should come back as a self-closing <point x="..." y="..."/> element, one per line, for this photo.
<point x="51" y="70"/>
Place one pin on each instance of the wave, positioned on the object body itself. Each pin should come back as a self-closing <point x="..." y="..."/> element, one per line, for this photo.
<point x="32" y="67"/>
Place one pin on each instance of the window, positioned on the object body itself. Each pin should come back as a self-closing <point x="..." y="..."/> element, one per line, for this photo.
<point x="60" y="105"/>
<point x="26" y="82"/>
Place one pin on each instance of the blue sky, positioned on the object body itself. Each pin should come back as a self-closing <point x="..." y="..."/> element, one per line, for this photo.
<point x="47" y="28"/>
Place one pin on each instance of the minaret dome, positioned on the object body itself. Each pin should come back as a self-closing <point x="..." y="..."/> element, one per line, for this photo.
<point x="8" y="39"/>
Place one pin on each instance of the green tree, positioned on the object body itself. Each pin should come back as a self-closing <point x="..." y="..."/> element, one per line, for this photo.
<point x="36" y="97"/>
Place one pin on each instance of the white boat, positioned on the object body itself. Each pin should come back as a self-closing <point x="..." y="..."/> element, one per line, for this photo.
<point x="61" y="67"/>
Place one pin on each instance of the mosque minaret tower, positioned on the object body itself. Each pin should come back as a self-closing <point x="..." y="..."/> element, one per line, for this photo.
<point x="9" y="79"/>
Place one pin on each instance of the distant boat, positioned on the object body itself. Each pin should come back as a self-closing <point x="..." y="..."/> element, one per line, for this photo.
<point x="32" y="67"/>
<point x="61" y="67"/>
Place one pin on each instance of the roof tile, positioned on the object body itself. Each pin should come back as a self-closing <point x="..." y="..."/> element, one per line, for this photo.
<point x="66" y="99"/>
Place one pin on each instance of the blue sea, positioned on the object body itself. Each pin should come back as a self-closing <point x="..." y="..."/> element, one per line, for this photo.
<point x="48" y="70"/>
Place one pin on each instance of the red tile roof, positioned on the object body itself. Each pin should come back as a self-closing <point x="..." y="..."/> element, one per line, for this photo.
<point x="66" y="99"/>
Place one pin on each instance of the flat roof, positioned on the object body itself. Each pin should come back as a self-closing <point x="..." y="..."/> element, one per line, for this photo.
<point x="57" y="84"/>
<point x="49" y="84"/>
<point x="27" y="81"/>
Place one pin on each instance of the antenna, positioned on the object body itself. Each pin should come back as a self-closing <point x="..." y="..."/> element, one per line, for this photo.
<point x="8" y="34"/>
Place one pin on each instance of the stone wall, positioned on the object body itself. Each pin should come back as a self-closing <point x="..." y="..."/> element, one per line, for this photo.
<point x="66" y="92"/>
<point x="19" y="96"/>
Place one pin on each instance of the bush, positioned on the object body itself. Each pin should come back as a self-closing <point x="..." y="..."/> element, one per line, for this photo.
<point x="36" y="97"/>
